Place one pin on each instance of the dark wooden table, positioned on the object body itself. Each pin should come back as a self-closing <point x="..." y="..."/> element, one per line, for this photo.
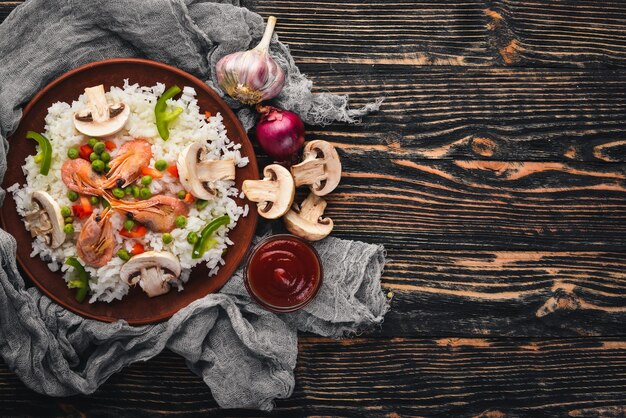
<point x="494" y="175"/>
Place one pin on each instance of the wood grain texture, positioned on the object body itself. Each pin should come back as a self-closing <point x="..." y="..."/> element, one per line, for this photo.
<point x="522" y="114"/>
<point x="505" y="293"/>
<point x="461" y="204"/>
<point x="380" y="377"/>
<point x="570" y="33"/>
<point x="551" y="33"/>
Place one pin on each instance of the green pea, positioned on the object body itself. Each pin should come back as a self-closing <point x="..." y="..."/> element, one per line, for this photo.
<point x="99" y="147"/>
<point x="105" y="203"/>
<point x="73" y="153"/>
<point x="136" y="192"/>
<point x="181" y="195"/>
<point x="94" y="200"/>
<point x="145" y="180"/>
<point x="72" y="195"/>
<point x="98" y="166"/>
<point x="92" y="142"/>
<point x="201" y="204"/>
<point x="117" y="192"/>
<point x="192" y="238"/>
<point x="180" y="221"/>
<point x="107" y="168"/>
<point x="167" y="238"/>
<point x="145" y="193"/>
<point x="93" y="157"/>
<point x="129" y="224"/>
<point x="66" y="211"/>
<point x="160" y="165"/>
<point x="68" y="220"/>
<point x="123" y="254"/>
<point x="105" y="156"/>
<point x="68" y="229"/>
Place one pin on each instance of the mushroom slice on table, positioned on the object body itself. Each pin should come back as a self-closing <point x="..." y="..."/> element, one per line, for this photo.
<point x="198" y="175"/>
<point x="320" y="168"/>
<point x="306" y="220"/>
<point x="100" y="118"/>
<point x="153" y="270"/>
<point x="45" y="219"/>
<point x="274" y="194"/>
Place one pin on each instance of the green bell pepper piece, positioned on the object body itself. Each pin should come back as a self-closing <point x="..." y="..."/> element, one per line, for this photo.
<point x="82" y="282"/>
<point x="45" y="151"/>
<point x="163" y="116"/>
<point x="205" y="242"/>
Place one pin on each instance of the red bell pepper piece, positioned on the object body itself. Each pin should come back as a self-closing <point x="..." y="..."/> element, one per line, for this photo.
<point x="138" y="249"/>
<point x="137" y="231"/>
<point x="83" y="209"/>
<point x="173" y="170"/>
<point x="85" y="151"/>
<point x="110" y="145"/>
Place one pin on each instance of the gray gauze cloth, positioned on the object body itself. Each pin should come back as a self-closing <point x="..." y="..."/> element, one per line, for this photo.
<point x="246" y="355"/>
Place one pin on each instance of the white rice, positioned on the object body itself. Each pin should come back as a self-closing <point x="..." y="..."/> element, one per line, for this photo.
<point x="191" y="126"/>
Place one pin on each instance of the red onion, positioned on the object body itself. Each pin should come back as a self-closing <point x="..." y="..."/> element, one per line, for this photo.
<point x="280" y="133"/>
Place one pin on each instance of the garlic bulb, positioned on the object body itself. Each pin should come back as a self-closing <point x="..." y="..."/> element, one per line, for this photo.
<point x="252" y="76"/>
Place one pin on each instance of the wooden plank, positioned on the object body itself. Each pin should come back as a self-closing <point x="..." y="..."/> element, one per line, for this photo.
<point x="481" y="113"/>
<point x="505" y="293"/>
<point x="380" y="377"/>
<point x="570" y="33"/>
<point x="426" y="32"/>
<point x="460" y="204"/>
<point x="6" y="7"/>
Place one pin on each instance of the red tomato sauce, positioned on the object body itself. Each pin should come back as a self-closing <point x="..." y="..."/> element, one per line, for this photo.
<point x="283" y="273"/>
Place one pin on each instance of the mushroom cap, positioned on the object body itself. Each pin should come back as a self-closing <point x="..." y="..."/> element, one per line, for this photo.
<point x="277" y="189"/>
<point x="188" y="174"/>
<point x="153" y="270"/>
<point x="194" y="172"/>
<point x="332" y="166"/>
<point x="101" y="122"/>
<point x="307" y="222"/>
<point x="52" y="209"/>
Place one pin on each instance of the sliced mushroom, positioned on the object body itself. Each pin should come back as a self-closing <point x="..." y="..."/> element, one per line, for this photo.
<point x="320" y="168"/>
<point x="198" y="175"/>
<point x="45" y="219"/>
<point x="306" y="220"/>
<point x="153" y="270"/>
<point x="100" y="118"/>
<point x="274" y="194"/>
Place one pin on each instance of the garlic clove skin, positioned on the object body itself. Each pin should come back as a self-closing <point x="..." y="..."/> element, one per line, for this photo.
<point x="252" y="76"/>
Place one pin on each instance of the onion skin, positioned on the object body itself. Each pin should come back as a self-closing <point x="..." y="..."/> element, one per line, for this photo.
<point x="280" y="133"/>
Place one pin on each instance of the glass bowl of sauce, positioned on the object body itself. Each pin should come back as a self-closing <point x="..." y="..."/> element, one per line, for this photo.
<point x="283" y="273"/>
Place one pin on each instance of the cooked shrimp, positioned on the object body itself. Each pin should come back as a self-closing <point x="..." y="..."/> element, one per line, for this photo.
<point x="95" y="242"/>
<point x="127" y="164"/>
<point x="157" y="213"/>
<point x="79" y="176"/>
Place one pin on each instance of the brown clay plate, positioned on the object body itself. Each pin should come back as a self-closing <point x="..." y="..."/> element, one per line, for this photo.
<point x="136" y="308"/>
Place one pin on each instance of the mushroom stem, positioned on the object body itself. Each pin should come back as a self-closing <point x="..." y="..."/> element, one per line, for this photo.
<point x="214" y="170"/>
<point x="97" y="101"/>
<point x="312" y="208"/>
<point x="260" y="190"/>
<point x="309" y="171"/>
